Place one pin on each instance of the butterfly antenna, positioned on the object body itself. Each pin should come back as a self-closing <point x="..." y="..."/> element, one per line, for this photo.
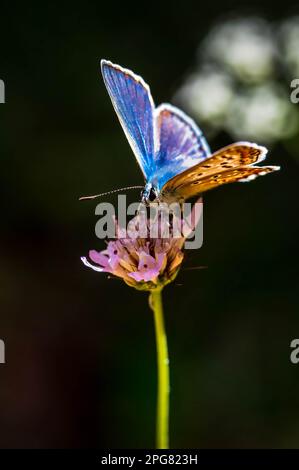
<point x="85" y="198"/>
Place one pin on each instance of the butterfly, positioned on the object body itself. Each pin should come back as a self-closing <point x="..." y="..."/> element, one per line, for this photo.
<point x="170" y="149"/>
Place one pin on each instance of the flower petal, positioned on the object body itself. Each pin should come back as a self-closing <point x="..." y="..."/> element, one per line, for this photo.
<point x="113" y="252"/>
<point x="146" y="262"/>
<point x="99" y="258"/>
<point x="161" y="262"/>
<point x="146" y="276"/>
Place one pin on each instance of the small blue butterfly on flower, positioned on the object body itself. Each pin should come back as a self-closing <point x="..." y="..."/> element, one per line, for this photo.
<point x="170" y="149"/>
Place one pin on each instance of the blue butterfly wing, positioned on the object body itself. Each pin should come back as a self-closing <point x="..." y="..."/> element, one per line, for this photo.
<point x="134" y="106"/>
<point x="181" y="144"/>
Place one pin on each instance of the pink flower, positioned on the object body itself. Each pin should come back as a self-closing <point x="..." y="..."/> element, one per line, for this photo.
<point x="143" y="263"/>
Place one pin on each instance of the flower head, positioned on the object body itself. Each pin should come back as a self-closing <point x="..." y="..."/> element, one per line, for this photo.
<point x="145" y="263"/>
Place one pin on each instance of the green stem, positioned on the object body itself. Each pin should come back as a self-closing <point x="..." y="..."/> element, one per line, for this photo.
<point x="163" y="370"/>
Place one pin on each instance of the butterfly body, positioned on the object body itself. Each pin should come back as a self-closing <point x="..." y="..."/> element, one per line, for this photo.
<point x="169" y="147"/>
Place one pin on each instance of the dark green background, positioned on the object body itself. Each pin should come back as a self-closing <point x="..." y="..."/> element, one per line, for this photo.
<point x="80" y="349"/>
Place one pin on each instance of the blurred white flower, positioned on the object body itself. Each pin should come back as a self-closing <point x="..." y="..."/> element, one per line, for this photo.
<point x="263" y="113"/>
<point x="207" y="95"/>
<point x="289" y="34"/>
<point x="245" y="46"/>
<point x="241" y="83"/>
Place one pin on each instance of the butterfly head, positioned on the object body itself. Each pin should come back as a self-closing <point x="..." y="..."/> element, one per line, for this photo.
<point x="149" y="194"/>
